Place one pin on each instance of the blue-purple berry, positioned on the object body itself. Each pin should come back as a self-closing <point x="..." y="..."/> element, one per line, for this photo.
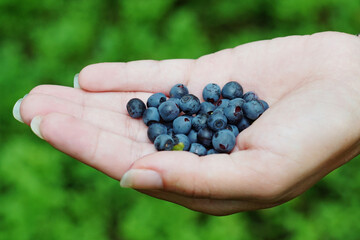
<point x="155" y="130"/>
<point x="182" y="125"/>
<point x="217" y="122"/>
<point x="206" y="108"/>
<point x="198" y="149"/>
<point x="155" y="100"/>
<point x="178" y="91"/>
<point x="211" y="93"/>
<point x="205" y="137"/>
<point x="192" y="136"/>
<point x="135" y="107"/>
<point x="253" y="109"/>
<point x="169" y="111"/>
<point x="243" y="124"/>
<point x="164" y="142"/>
<point x="232" y="90"/>
<point x="189" y="104"/>
<point x="199" y="121"/>
<point x="151" y="115"/>
<point x="249" y="96"/>
<point x="223" y="141"/>
<point x="233" y="113"/>
<point x="234" y="129"/>
<point x="181" y="138"/>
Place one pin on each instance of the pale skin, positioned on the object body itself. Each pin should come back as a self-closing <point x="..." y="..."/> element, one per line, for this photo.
<point x="311" y="83"/>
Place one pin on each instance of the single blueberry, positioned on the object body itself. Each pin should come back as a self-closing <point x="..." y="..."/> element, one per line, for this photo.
<point x="178" y="91"/>
<point x="211" y="93"/>
<point x="233" y="129"/>
<point x="211" y="151"/>
<point x="189" y="104"/>
<point x="151" y="115"/>
<point x="155" y="100"/>
<point x="249" y="96"/>
<point x="253" y="109"/>
<point x="199" y="121"/>
<point x="181" y="138"/>
<point x="232" y="90"/>
<point x="243" y="124"/>
<point x="155" y="130"/>
<point x="182" y="125"/>
<point x="264" y="104"/>
<point x="207" y="108"/>
<point x="135" y="108"/>
<point x="223" y="141"/>
<point x="169" y="111"/>
<point x="198" y="149"/>
<point x="205" y="137"/>
<point x="192" y="136"/>
<point x="217" y="121"/>
<point x="233" y="113"/>
<point x="164" y="142"/>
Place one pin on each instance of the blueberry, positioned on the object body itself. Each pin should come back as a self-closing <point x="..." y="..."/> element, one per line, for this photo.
<point x="198" y="149"/>
<point x="135" y="108"/>
<point x="223" y="103"/>
<point x="264" y="104"/>
<point x="233" y="129"/>
<point x="217" y="121"/>
<point x="249" y="96"/>
<point x="151" y="115"/>
<point x="232" y="90"/>
<point x="237" y="101"/>
<point x="175" y="100"/>
<point x="182" y="125"/>
<point x="155" y="100"/>
<point x="211" y="151"/>
<point x="155" y="130"/>
<point x="233" y="113"/>
<point x="205" y="137"/>
<point x="164" y="142"/>
<point x="243" y="124"/>
<point x="199" y="121"/>
<point x="211" y="93"/>
<point x="192" y="136"/>
<point x="253" y="109"/>
<point x="178" y="91"/>
<point x="207" y="108"/>
<point x="223" y="141"/>
<point x="181" y="138"/>
<point x="169" y="111"/>
<point x="189" y="104"/>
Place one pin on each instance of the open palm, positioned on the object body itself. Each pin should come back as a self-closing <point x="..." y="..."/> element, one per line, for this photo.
<point x="310" y="82"/>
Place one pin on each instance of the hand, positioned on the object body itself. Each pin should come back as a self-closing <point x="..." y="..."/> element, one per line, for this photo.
<point x="311" y="83"/>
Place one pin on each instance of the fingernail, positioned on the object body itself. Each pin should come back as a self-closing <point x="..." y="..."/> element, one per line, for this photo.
<point x="76" y="81"/>
<point x="35" y="126"/>
<point x="141" y="179"/>
<point x="16" y="111"/>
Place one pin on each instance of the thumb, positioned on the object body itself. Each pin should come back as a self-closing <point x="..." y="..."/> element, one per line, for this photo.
<point x="241" y="175"/>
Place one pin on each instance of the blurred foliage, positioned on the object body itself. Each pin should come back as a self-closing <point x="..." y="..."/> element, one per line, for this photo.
<point x="45" y="194"/>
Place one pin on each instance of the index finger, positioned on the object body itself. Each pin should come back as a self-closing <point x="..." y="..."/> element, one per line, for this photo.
<point x="143" y="75"/>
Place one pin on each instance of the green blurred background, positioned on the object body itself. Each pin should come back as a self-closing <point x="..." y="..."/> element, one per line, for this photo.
<point x="45" y="194"/>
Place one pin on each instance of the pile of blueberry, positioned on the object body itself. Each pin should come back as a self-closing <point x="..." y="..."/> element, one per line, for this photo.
<point x="183" y="123"/>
